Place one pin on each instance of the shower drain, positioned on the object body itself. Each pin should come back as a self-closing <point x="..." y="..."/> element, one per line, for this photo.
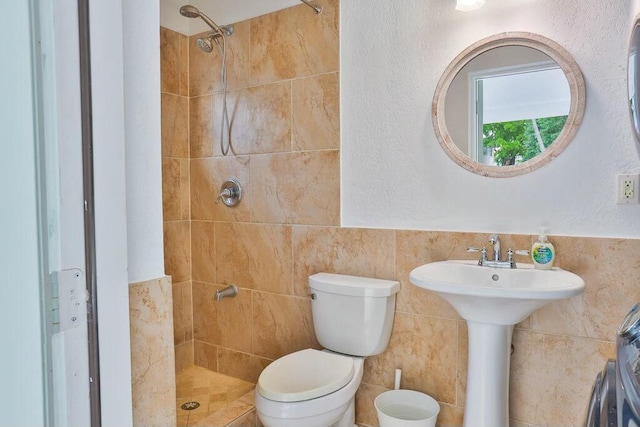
<point x="190" y="406"/>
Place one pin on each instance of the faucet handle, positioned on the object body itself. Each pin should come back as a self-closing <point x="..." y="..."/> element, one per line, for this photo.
<point x="510" y="254"/>
<point x="483" y="254"/>
<point x="225" y="194"/>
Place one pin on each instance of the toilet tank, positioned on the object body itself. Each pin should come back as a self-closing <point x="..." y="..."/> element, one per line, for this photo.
<point x="352" y="315"/>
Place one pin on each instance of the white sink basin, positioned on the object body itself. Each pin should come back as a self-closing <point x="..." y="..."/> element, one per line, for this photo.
<point x="501" y="296"/>
<point x="492" y="301"/>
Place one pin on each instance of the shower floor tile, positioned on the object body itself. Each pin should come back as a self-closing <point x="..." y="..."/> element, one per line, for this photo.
<point x="222" y="399"/>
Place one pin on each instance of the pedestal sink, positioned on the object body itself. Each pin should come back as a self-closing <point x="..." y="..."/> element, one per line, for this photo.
<point x="492" y="301"/>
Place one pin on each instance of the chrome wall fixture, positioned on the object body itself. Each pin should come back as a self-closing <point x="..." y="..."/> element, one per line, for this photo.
<point x="229" y="292"/>
<point x="315" y="6"/>
<point x="189" y="11"/>
<point x="219" y="38"/>
<point x="230" y="193"/>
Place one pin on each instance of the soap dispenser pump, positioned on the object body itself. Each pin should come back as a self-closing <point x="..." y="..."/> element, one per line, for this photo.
<point x="542" y="252"/>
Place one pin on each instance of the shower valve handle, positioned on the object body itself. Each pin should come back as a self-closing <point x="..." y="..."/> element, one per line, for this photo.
<point x="230" y="193"/>
<point x="225" y="194"/>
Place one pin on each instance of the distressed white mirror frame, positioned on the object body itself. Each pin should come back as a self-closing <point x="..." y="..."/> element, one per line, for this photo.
<point x="531" y="40"/>
<point x="633" y="81"/>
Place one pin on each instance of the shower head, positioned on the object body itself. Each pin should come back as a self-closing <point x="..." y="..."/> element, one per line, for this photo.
<point x="189" y="11"/>
<point x="192" y="12"/>
<point x="205" y="44"/>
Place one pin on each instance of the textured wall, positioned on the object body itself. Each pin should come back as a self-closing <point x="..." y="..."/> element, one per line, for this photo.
<point x="391" y="60"/>
<point x="142" y="133"/>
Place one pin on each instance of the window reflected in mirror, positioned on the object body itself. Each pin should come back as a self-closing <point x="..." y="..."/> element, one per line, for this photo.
<point x="519" y="112"/>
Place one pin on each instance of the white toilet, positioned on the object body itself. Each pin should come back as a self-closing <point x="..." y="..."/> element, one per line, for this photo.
<point x="352" y="318"/>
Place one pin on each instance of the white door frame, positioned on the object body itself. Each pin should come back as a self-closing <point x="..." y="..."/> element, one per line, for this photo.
<point x="23" y="390"/>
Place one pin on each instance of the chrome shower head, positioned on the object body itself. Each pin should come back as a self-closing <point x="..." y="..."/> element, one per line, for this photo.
<point x="205" y="44"/>
<point x="193" y="12"/>
<point x="189" y="11"/>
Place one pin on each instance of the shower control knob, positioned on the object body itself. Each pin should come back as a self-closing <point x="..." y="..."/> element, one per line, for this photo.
<point x="230" y="193"/>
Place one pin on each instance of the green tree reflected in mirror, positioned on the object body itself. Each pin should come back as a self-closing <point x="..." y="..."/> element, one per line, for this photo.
<point x="515" y="142"/>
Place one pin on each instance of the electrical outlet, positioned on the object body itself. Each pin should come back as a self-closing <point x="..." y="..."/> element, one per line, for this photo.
<point x="627" y="189"/>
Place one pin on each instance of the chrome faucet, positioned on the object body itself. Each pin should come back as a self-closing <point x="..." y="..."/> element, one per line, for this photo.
<point x="494" y="239"/>
<point x="497" y="261"/>
<point x="228" y="292"/>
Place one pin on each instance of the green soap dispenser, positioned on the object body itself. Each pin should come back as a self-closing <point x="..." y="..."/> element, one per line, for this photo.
<point x="542" y="252"/>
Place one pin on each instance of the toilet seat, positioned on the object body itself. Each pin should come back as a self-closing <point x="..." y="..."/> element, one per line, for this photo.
<point x="304" y="375"/>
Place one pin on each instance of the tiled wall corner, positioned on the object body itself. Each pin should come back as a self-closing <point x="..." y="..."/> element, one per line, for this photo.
<point x="241" y="365"/>
<point x="285" y="139"/>
<point x="152" y="353"/>
<point x="182" y="313"/>
<point x="184" y="355"/>
<point x="176" y="194"/>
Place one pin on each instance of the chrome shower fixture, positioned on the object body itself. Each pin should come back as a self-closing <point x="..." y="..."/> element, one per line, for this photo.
<point x="189" y="11"/>
<point x="315" y="6"/>
<point x="206" y="43"/>
<point x="230" y="291"/>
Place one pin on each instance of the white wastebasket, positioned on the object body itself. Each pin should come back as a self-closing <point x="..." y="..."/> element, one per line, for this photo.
<point x="406" y="408"/>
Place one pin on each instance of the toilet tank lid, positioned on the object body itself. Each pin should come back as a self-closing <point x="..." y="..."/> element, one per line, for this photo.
<point x="353" y="285"/>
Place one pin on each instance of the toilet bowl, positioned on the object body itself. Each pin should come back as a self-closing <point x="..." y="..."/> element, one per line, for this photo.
<point x="309" y="388"/>
<point x="352" y="319"/>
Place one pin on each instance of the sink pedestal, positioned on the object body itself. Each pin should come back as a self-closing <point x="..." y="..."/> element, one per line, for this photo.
<point x="487" y="398"/>
<point x="492" y="301"/>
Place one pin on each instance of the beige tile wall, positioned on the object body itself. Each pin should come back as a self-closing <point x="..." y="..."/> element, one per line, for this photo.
<point x="152" y="378"/>
<point x="176" y="197"/>
<point x="284" y="102"/>
<point x="284" y="98"/>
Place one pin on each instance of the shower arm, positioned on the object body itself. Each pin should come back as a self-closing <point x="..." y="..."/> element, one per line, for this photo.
<point x="189" y="11"/>
<point x="215" y="27"/>
<point x="316" y="7"/>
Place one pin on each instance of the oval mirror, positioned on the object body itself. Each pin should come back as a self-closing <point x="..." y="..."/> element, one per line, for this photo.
<point x="633" y="80"/>
<point x="508" y="104"/>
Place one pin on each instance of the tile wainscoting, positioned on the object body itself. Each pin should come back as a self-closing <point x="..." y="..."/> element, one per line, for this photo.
<point x="152" y="353"/>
